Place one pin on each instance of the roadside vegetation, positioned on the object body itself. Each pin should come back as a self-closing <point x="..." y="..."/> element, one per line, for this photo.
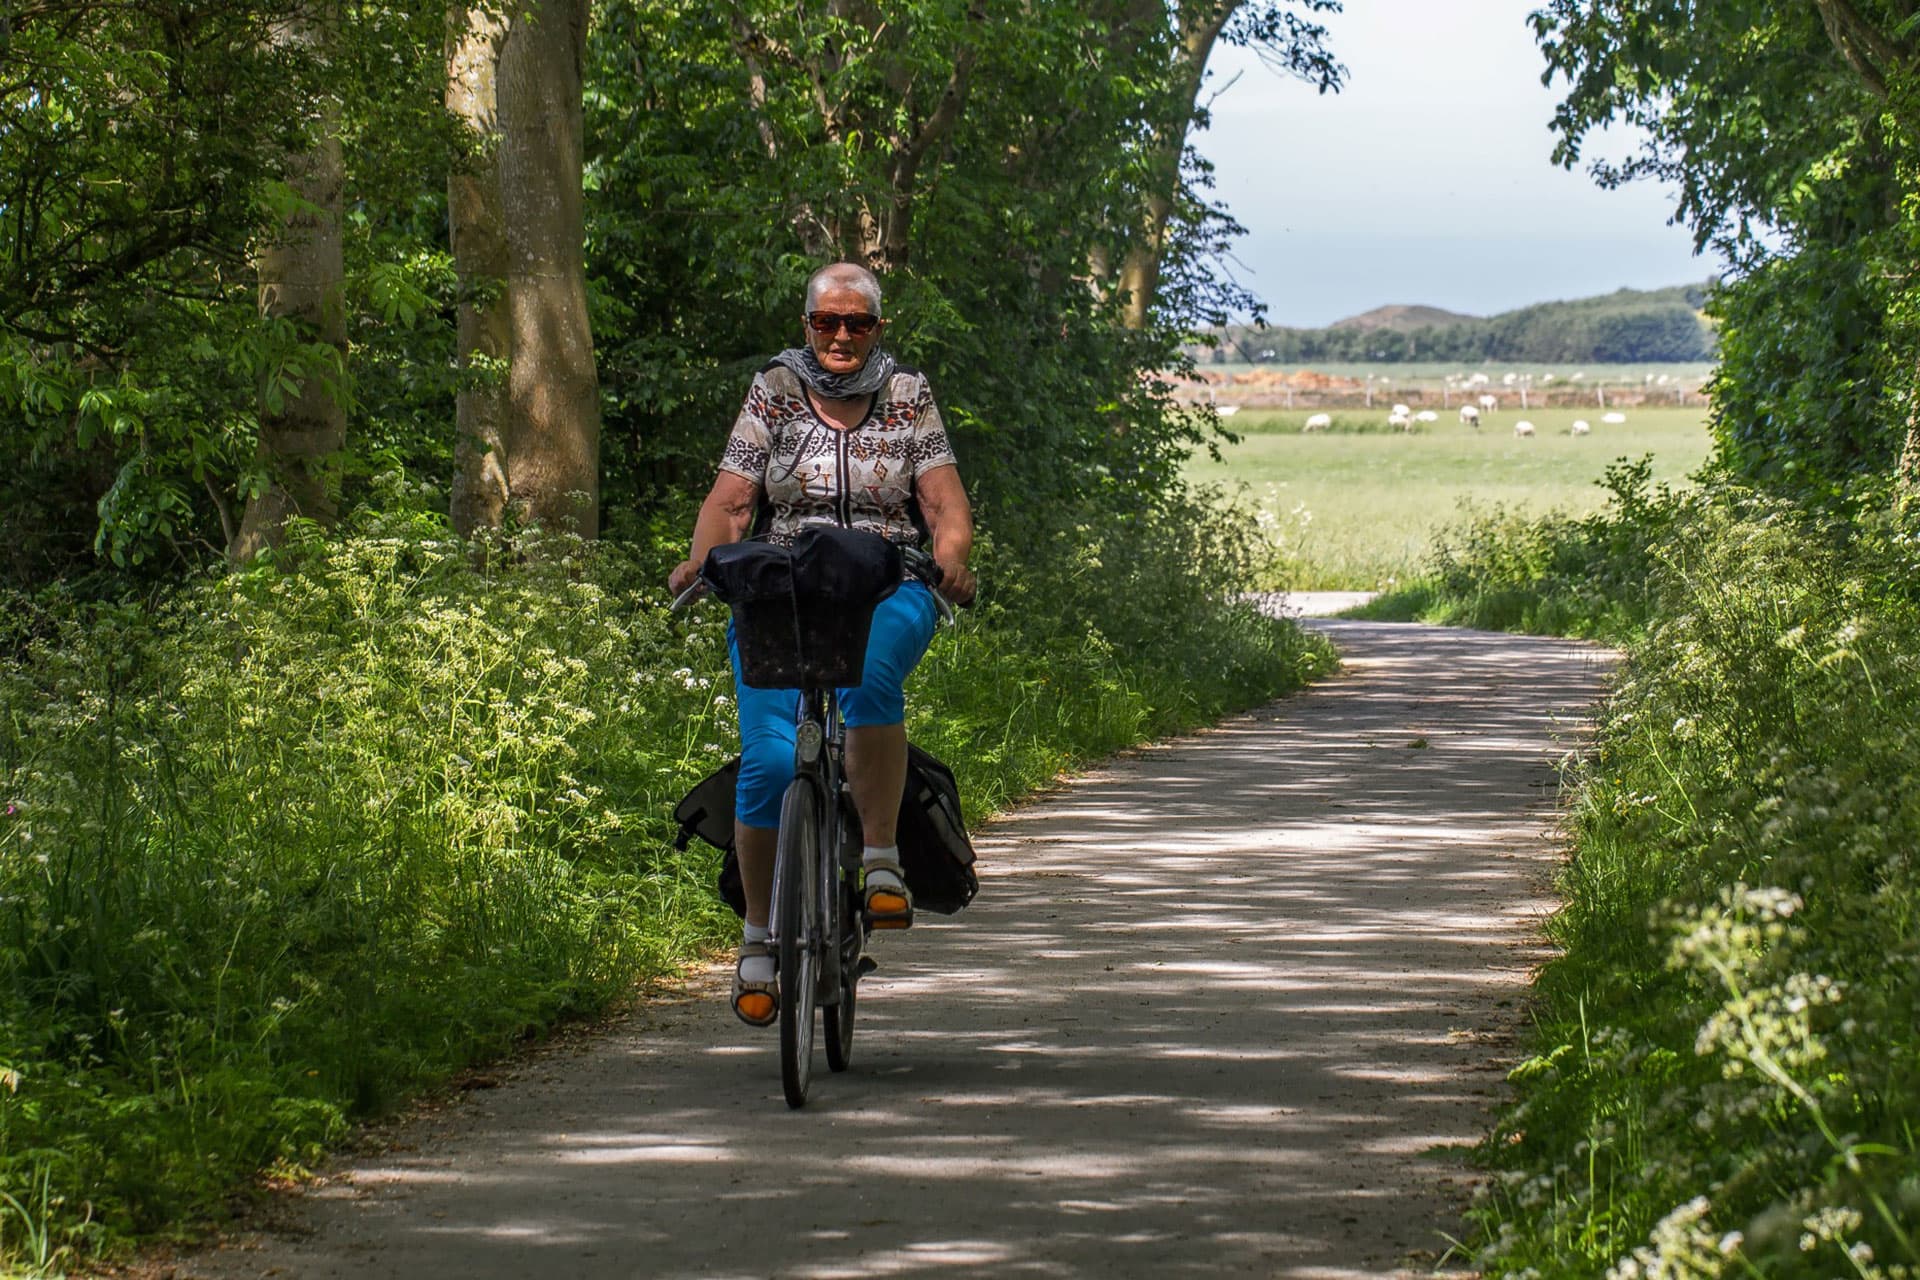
<point x="1724" y="1070"/>
<point x="1724" y="1076"/>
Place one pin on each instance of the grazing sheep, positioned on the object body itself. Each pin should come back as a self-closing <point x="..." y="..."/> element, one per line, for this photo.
<point x="1318" y="422"/>
<point x="1469" y="415"/>
<point x="1580" y="427"/>
<point x="1613" y="419"/>
<point x="1489" y="403"/>
<point x="1400" y="421"/>
<point x="1226" y="410"/>
<point x="1401" y="411"/>
<point x="1523" y="428"/>
<point x="1426" y="415"/>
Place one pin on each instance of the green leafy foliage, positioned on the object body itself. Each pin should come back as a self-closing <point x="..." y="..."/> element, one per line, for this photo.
<point x="1726" y="1063"/>
<point x="1590" y="576"/>
<point x="1803" y="398"/>
<point x="142" y="146"/>
<point x="1788" y="132"/>
<point x="727" y="174"/>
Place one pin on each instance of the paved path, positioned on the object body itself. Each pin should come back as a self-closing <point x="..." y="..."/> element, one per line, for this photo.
<point x="1211" y="1009"/>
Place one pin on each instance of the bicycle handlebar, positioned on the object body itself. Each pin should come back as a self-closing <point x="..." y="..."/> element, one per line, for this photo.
<point x="923" y="566"/>
<point x="917" y="563"/>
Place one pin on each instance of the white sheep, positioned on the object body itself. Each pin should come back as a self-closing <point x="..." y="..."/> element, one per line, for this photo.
<point x="1400" y="421"/>
<point x="1469" y="415"/>
<point x="1426" y="415"/>
<point x="1581" y="427"/>
<point x="1522" y="428"/>
<point x="1401" y="411"/>
<point x="1613" y="419"/>
<point x="1489" y="403"/>
<point x="1318" y="422"/>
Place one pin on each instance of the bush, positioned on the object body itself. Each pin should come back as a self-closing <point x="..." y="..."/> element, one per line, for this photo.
<point x="309" y="837"/>
<point x="1727" y="1074"/>
<point x="1548" y="575"/>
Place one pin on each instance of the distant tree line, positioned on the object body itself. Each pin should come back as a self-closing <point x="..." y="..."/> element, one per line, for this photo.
<point x="1630" y="326"/>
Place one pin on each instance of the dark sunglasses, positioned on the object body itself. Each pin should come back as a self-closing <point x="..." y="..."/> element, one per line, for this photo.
<point x="860" y="324"/>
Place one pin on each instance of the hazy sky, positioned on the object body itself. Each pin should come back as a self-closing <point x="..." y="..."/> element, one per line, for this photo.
<point x="1428" y="179"/>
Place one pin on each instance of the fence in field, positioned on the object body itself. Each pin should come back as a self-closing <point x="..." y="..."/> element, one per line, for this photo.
<point x="1273" y="389"/>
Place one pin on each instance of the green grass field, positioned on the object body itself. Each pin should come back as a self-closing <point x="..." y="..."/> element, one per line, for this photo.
<point x="1357" y="507"/>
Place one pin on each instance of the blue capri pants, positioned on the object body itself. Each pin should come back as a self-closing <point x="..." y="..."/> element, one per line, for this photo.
<point x="902" y="630"/>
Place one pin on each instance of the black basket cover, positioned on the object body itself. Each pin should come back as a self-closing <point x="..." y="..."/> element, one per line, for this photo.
<point x="801" y="615"/>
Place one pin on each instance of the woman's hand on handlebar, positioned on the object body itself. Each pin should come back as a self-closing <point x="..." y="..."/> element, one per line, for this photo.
<point x="682" y="577"/>
<point x="956" y="581"/>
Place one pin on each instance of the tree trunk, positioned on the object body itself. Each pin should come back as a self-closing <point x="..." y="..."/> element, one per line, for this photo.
<point x="1906" y="480"/>
<point x="480" y="492"/>
<point x="301" y="274"/>
<point x="1200" y="27"/>
<point x="552" y="430"/>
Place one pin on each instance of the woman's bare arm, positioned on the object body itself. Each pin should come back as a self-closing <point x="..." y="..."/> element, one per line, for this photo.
<point x="725" y="517"/>
<point x="943" y="501"/>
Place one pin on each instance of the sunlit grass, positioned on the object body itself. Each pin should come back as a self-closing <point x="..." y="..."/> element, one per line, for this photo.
<point x="1357" y="507"/>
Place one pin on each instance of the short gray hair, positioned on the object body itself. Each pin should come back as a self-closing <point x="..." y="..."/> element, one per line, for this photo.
<point x="845" y="275"/>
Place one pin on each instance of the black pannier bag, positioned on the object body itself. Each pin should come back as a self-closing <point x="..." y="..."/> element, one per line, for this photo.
<point x="935" y="853"/>
<point x="801" y="615"/>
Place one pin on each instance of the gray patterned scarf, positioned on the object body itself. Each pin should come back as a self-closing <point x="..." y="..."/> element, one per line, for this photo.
<point x="864" y="381"/>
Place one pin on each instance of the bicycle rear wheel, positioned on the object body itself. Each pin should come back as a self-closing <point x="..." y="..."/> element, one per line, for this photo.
<point x="797" y="913"/>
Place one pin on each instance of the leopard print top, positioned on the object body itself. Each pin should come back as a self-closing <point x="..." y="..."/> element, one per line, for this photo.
<point x="811" y="472"/>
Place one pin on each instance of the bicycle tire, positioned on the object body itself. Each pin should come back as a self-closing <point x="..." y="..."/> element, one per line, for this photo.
<point x="838" y="1017"/>
<point x="796" y="915"/>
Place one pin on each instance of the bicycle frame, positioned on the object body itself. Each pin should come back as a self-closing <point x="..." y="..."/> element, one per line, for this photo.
<point x="819" y="755"/>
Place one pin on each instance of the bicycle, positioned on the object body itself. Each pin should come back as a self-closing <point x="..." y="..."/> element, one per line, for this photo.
<point x="819" y="928"/>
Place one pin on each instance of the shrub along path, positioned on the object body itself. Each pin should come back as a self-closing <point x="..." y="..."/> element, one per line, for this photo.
<point x="1212" y="1007"/>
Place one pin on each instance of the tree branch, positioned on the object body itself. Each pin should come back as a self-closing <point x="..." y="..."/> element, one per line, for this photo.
<point x="904" y="170"/>
<point x="1871" y="54"/>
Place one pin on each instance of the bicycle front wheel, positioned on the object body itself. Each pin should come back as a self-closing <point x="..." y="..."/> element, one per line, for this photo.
<point x="838" y="1017"/>
<point x="796" y="924"/>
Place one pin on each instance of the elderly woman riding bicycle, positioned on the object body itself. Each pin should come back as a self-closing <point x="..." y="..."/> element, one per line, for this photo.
<point x="835" y="432"/>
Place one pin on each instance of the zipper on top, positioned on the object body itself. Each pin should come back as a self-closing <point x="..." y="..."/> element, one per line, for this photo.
<point x="846" y="480"/>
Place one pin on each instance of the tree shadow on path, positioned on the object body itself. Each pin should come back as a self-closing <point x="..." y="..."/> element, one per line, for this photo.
<point x="1212" y="1007"/>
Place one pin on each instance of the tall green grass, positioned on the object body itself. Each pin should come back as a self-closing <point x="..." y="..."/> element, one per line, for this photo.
<point x="1590" y="576"/>
<point x="1725" y="1074"/>
<point x="300" y="840"/>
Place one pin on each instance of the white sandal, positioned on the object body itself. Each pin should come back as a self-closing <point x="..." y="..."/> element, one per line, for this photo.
<point x="755" y="1003"/>
<point x="888" y="901"/>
